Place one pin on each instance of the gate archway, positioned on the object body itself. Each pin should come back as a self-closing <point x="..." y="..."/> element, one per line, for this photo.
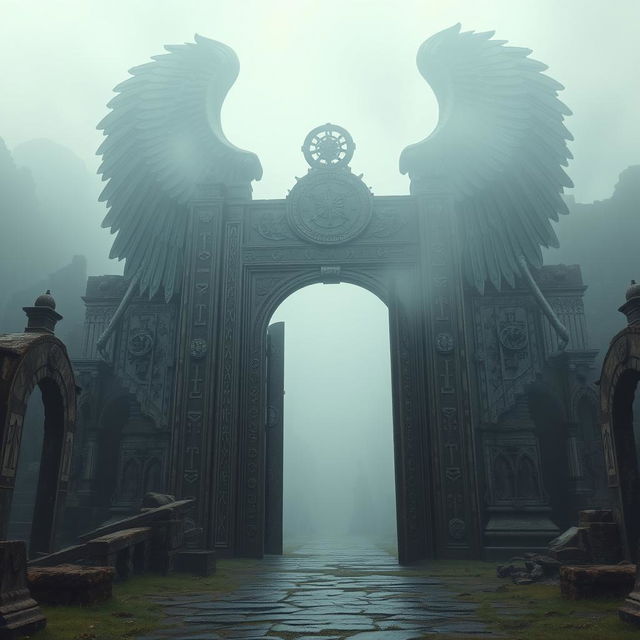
<point x="246" y="257"/>
<point x="26" y="361"/>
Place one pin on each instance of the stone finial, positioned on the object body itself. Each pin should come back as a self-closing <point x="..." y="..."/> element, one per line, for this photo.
<point x="631" y="308"/>
<point x="42" y="316"/>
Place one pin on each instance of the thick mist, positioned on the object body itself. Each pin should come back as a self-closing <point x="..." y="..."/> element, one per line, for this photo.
<point x="338" y="428"/>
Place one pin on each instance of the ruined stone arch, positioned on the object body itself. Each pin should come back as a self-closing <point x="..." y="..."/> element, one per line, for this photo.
<point x="620" y="376"/>
<point x="26" y="361"/>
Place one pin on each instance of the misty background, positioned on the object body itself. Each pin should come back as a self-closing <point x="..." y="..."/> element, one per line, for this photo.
<point x="304" y="63"/>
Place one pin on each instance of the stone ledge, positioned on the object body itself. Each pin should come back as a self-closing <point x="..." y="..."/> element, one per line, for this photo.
<point x="70" y="584"/>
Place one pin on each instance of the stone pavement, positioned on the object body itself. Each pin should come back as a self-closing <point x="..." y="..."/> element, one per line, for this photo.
<point x="321" y="591"/>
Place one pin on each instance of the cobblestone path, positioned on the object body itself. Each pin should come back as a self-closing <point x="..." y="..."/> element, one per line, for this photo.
<point x="356" y="592"/>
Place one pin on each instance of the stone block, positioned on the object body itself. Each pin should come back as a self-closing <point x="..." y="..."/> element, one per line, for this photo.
<point x="597" y="581"/>
<point x="71" y="584"/>
<point x="586" y="517"/>
<point x="604" y="542"/>
<point x="200" y="562"/>
<point x="20" y="614"/>
<point x="573" y="537"/>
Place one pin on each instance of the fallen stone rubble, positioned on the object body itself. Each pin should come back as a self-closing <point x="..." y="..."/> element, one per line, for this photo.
<point x="529" y="568"/>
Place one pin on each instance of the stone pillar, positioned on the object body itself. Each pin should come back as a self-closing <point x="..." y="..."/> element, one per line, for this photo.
<point x="194" y="406"/>
<point x="19" y="612"/>
<point x="450" y="423"/>
<point x="222" y="534"/>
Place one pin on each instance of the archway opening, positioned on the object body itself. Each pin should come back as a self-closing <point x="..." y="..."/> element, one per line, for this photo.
<point x="41" y="434"/>
<point x="339" y="482"/>
<point x="624" y="403"/>
<point x="28" y="470"/>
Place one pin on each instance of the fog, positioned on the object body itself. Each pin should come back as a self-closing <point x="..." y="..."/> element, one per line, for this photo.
<point x="304" y="63"/>
<point x="338" y="429"/>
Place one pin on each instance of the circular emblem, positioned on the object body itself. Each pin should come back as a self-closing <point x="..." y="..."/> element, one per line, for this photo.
<point x="198" y="348"/>
<point x="328" y="146"/>
<point x="140" y="342"/>
<point x="444" y="342"/>
<point x="457" y="528"/>
<point x="329" y="207"/>
<point x="513" y="337"/>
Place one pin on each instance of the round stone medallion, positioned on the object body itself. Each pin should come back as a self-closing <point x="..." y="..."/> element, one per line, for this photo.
<point x="445" y="342"/>
<point x="140" y="342"/>
<point x="329" y="206"/>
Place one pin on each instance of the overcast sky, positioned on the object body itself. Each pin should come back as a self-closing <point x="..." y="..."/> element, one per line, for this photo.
<point x="307" y="62"/>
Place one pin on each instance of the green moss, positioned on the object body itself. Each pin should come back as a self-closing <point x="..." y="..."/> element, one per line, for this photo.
<point x="132" y="610"/>
<point x="540" y="613"/>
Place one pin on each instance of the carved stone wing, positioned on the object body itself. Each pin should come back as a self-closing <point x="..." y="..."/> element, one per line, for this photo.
<point x="163" y="138"/>
<point x="499" y="147"/>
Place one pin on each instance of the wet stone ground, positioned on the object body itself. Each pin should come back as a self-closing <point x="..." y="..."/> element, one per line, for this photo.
<point x="321" y="591"/>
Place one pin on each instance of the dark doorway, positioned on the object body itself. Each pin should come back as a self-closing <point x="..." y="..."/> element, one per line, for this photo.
<point x="624" y="402"/>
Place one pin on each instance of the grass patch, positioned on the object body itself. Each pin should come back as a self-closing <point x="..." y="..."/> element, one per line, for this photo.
<point x="541" y="613"/>
<point x="527" y="612"/>
<point x="132" y="611"/>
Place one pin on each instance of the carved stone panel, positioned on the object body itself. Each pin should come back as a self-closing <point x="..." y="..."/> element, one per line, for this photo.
<point x="195" y="390"/>
<point x="451" y="431"/>
<point x="145" y="357"/>
<point x="508" y="354"/>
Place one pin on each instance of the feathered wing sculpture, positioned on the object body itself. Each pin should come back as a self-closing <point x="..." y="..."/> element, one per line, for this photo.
<point x="164" y="137"/>
<point x="500" y="145"/>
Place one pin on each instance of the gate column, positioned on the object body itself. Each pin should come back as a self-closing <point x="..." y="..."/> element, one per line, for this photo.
<point x="222" y="531"/>
<point x="450" y="423"/>
<point x="194" y="405"/>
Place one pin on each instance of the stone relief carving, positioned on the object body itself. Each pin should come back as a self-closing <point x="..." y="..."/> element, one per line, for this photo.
<point x="329" y="206"/>
<point x="507" y="354"/>
<point x="144" y="361"/>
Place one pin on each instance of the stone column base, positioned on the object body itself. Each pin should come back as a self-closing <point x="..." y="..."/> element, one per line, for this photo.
<point x="20" y="614"/>
<point x="630" y="610"/>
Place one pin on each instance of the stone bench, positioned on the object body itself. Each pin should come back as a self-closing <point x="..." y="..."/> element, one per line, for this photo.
<point x="70" y="584"/>
<point x="597" y="581"/>
<point x="126" y="551"/>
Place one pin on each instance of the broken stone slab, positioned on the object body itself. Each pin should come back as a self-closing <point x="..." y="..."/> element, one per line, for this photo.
<point x="550" y="565"/>
<point x="71" y="584"/>
<point x="126" y="551"/>
<point x="20" y="614"/>
<point x="574" y="537"/>
<point x="595" y="581"/>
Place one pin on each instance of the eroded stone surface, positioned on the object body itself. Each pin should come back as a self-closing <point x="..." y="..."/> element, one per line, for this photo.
<point x="329" y="592"/>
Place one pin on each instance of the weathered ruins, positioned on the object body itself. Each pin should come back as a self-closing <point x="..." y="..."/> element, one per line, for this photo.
<point x="492" y="369"/>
